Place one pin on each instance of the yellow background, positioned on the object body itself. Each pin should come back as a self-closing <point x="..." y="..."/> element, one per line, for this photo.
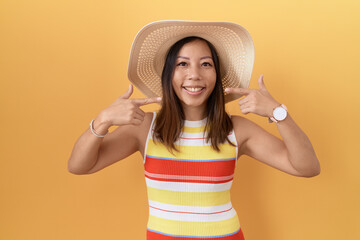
<point x="62" y="62"/>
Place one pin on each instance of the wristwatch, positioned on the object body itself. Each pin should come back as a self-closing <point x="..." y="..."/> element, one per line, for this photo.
<point x="279" y="113"/>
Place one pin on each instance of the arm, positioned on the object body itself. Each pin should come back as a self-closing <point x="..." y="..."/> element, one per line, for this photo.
<point x="300" y="151"/>
<point x="85" y="152"/>
<point x="294" y="154"/>
<point x="91" y="154"/>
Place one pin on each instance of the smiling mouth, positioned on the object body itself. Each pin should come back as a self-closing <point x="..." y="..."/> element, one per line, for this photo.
<point x="193" y="89"/>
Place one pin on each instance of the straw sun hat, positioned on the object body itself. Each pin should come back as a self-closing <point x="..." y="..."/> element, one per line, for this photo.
<point x="232" y="42"/>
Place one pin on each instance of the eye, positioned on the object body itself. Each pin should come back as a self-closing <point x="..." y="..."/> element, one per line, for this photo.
<point x="206" y="64"/>
<point x="182" y="64"/>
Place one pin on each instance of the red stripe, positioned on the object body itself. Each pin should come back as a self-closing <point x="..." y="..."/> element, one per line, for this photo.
<point x="218" y="168"/>
<point x="190" y="212"/>
<point x="185" y="180"/>
<point x="157" y="236"/>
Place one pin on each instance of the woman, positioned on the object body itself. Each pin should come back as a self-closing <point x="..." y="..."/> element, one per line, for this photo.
<point x="191" y="146"/>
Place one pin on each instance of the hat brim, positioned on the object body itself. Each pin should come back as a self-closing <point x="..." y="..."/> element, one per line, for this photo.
<point x="232" y="42"/>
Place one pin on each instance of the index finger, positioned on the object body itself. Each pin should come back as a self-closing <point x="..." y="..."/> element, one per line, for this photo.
<point x="145" y="101"/>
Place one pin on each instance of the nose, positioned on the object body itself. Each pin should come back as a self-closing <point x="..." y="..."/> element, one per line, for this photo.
<point x="194" y="73"/>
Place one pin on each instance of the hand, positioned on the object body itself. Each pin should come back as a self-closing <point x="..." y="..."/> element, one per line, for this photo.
<point x="125" y="111"/>
<point x="258" y="101"/>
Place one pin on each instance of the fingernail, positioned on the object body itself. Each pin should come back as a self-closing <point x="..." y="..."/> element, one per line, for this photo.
<point x="226" y="90"/>
<point x="158" y="98"/>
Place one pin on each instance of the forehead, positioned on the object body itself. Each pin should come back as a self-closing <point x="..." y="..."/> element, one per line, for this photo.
<point x="196" y="46"/>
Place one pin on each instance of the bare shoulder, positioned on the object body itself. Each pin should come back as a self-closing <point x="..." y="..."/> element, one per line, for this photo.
<point x="244" y="129"/>
<point x="241" y="124"/>
<point x="121" y="143"/>
<point x="256" y="142"/>
<point x="136" y="132"/>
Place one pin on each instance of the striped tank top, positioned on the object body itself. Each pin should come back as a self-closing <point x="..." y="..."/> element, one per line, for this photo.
<point x="189" y="193"/>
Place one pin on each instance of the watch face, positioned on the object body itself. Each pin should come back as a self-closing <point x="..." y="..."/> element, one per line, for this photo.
<point x="279" y="113"/>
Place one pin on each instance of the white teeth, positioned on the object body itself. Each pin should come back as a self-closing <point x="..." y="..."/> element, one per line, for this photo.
<point x="193" y="89"/>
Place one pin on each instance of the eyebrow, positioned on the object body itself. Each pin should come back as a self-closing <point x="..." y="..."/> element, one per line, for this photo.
<point x="189" y="58"/>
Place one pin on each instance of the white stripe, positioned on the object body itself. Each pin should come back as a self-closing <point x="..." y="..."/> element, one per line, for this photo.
<point x="182" y="208"/>
<point x="149" y="135"/>
<point x="192" y="142"/>
<point x="232" y="138"/>
<point x="199" y="123"/>
<point x="188" y="187"/>
<point x="192" y="217"/>
<point x="193" y="135"/>
<point x="192" y="139"/>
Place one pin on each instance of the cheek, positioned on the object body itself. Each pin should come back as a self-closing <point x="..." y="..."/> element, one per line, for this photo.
<point x="212" y="81"/>
<point x="176" y="85"/>
<point x="212" y="85"/>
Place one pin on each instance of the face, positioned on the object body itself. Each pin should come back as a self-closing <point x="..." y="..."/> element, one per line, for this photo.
<point x="194" y="74"/>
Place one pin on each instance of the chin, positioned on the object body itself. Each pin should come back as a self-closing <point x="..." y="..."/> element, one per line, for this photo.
<point x="192" y="103"/>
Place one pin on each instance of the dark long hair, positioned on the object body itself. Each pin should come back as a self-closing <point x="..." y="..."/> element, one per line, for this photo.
<point x="171" y="116"/>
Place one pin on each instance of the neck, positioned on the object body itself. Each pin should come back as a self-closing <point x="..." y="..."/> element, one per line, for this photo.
<point x="194" y="113"/>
